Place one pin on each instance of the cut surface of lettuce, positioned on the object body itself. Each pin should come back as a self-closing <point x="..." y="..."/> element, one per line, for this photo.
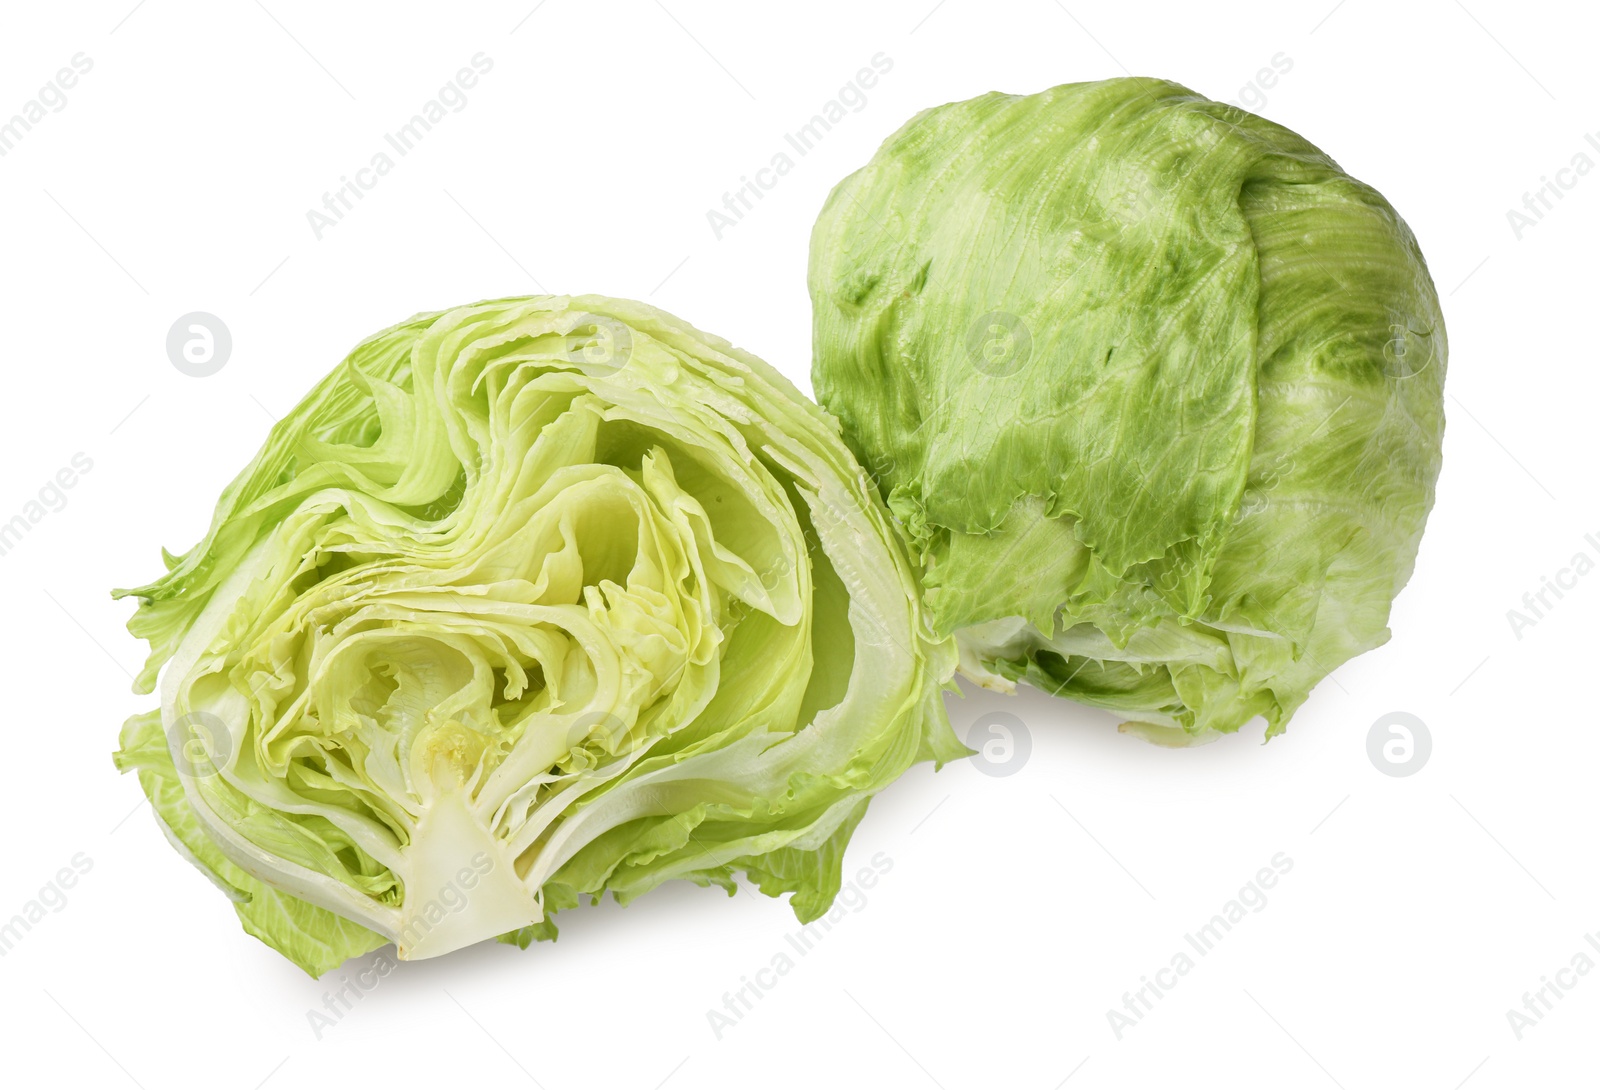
<point x="1154" y="388"/>
<point x="529" y="601"/>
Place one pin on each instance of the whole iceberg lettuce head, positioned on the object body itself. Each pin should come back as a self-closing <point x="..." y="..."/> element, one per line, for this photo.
<point x="1153" y="386"/>
<point x="528" y="601"/>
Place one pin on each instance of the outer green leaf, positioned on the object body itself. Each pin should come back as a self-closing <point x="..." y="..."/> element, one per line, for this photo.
<point x="313" y="938"/>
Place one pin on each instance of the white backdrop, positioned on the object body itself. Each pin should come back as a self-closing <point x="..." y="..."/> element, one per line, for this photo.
<point x="172" y="171"/>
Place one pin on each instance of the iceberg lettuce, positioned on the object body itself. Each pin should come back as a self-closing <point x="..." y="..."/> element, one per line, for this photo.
<point x="529" y="601"/>
<point x="1153" y="386"/>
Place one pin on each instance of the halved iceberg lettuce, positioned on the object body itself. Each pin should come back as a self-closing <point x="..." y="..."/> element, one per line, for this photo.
<point x="528" y="601"/>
